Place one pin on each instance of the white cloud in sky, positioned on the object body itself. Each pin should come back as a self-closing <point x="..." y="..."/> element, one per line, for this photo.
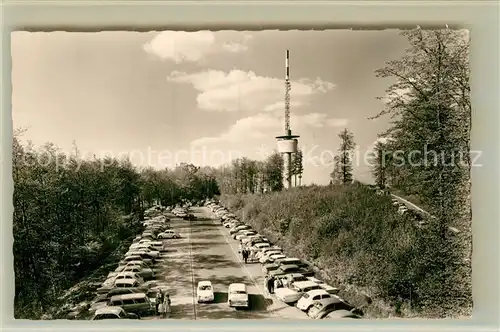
<point x="238" y="90"/>
<point x="181" y="46"/>
<point x="266" y="125"/>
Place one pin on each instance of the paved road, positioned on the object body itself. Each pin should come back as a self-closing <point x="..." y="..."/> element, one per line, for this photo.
<point x="206" y="252"/>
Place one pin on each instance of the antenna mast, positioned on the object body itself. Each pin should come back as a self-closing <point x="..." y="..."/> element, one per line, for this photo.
<point x="288" y="88"/>
<point x="287" y="144"/>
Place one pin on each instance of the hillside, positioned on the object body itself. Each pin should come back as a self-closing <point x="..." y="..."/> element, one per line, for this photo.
<point x="383" y="263"/>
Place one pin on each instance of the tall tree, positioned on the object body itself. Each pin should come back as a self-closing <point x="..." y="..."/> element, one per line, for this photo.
<point x="274" y="172"/>
<point x="342" y="172"/>
<point x="380" y="160"/>
<point x="297" y="167"/>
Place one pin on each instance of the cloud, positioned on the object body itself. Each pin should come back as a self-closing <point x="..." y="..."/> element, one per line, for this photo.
<point x="238" y="90"/>
<point x="337" y="122"/>
<point x="265" y="125"/>
<point x="180" y="46"/>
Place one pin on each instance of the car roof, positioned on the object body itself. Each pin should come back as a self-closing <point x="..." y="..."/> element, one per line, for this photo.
<point x="296" y="275"/>
<point x="288" y="266"/>
<point x="126" y="281"/>
<point x="328" y="287"/>
<point x="205" y="283"/>
<point x="342" y="313"/>
<point x="315" y="292"/>
<point x="304" y="284"/>
<point x="289" y="259"/>
<point x="238" y="286"/>
<point x="333" y="299"/>
<point x="109" y="310"/>
<point x="131" y="296"/>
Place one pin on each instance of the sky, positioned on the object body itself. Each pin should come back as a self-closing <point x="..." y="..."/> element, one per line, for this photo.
<point x="204" y="97"/>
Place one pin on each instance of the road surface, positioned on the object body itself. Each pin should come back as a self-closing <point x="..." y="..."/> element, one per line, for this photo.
<point x="207" y="252"/>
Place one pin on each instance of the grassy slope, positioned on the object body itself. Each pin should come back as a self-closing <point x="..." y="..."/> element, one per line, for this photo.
<point x="381" y="261"/>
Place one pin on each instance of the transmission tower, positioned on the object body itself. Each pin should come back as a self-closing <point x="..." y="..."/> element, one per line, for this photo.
<point x="287" y="144"/>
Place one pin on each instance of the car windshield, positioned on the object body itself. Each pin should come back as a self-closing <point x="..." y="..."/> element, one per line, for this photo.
<point x="238" y="292"/>
<point x="306" y="296"/>
<point x="205" y="287"/>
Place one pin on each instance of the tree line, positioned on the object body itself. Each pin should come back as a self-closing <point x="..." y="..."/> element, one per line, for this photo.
<point x="247" y="176"/>
<point x="70" y="213"/>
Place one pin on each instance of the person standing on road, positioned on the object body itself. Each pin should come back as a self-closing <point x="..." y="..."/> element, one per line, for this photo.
<point x="158" y="301"/>
<point x="168" y="307"/>
<point x="245" y="255"/>
<point x="270" y="285"/>
<point x="161" y="310"/>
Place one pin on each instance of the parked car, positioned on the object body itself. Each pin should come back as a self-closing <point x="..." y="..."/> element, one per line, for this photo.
<point x="294" y="277"/>
<point x="309" y="298"/>
<point x="271" y="258"/>
<point x="129" y="275"/>
<point x="100" y="301"/>
<point x="267" y="268"/>
<point x="138" y="303"/>
<point x="145" y="256"/>
<point x="340" y="314"/>
<point x="122" y="291"/>
<point x="267" y="257"/>
<point x="113" y="313"/>
<point x="169" y="234"/>
<point x="261" y="245"/>
<point x="205" y="291"/>
<point x="293" y="293"/>
<point x="237" y="296"/>
<point x="237" y="229"/>
<point x="325" y="306"/>
<point x="240" y="236"/>
<point x="127" y="283"/>
<point x="288" y="260"/>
